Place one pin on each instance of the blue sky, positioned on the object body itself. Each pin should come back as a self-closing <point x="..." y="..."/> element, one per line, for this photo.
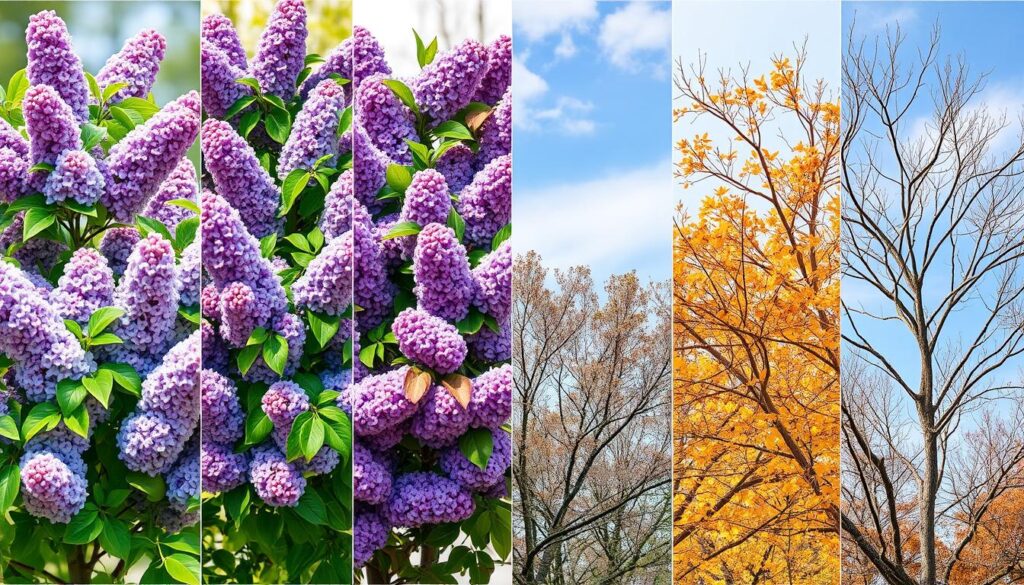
<point x="592" y="134"/>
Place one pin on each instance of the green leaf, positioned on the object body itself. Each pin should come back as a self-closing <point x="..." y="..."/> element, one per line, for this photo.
<point x="503" y="234"/>
<point x="403" y="93"/>
<point x="190" y="313"/>
<point x="236" y="503"/>
<point x="472" y="323"/>
<point x="457" y="224"/>
<point x="367" y="354"/>
<point x="43" y="416"/>
<point x="420" y="153"/>
<point x="477" y="445"/>
<point x="78" y="421"/>
<point x="185" y="233"/>
<point x="297" y="436"/>
<point x="154" y="487"/>
<point x="105" y="339"/>
<point x="123" y="117"/>
<point x="431" y="52"/>
<point x="40" y="167"/>
<point x="30" y="202"/>
<point x="186" y="203"/>
<point x="249" y="121"/>
<point x="239" y="105"/>
<point x="94" y="88"/>
<point x="257" y="427"/>
<point x="250" y="82"/>
<point x="324" y="327"/>
<point x="101" y="318"/>
<point x="125" y="376"/>
<point x="452" y="129"/>
<point x="89" y="210"/>
<point x="314" y="439"/>
<point x="443" y="535"/>
<point x="344" y="121"/>
<point x="398" y="177"/>
<point x="267" y="245"/>
<point x="84" y="527"/>
<point x="278" y="124"/>
<point x="100" y="385"/>
<point x="115" y="538"/>
<point x="501" y="531"/>
<point x="92" y="135"/>
<point x="294" y="184"/>
<point x="144" y="108"/>
<point x="183" y="541"/>
<point x="148" y="225"/>
<point x="404" y="228"/>
<point x="315" y="237"/>
<point x="110" y="90"/>
<point x="8" y="429"/>
<point x="310" y="384"/>
<point x="275" y="353"/>
<point x="247" y="357"/>
<point x="311" y="508"/>
<point x="299" y="241"/>
<point x="70" y="394"/>
<point x="10" y="485"/>
<point x="182" y="568"/>
<point x="17" y="86"/>
<point x="37" y="220"/>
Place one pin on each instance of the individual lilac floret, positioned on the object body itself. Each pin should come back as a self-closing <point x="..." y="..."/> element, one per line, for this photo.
<point x="490" y="402"/>
<point x="116" y="246"/>
<point x="231" y="254"/>
<point x="427" y="201"/>
<point x="496" y="132"/>
<point x="277" y="482"/>
<point x="337" y="62"/>
<point x="219" y="79"/>
<point x="222" y="415"/>
<point x="13" y="175"/>
<point x="367" y="56"/>
<point x="326" y="286"/>
<point x="315" y="130"/>
<point x="76" y="177"/>
<point x="371" y="478"/>
<point x="149" y="443"/>
<point x="86" y="285"/>
<point x="369" y="533"/>
<point x="283" y="402"/>
<point x="183" y="479"/>
<point x="429" y="340"/>
<point x="222" y="469"/>
<point x="281" y="53"/>
<point x="49" y="487"/>
<point x="336" y="218"/>
<point x="136" y="64"/>
<point x="499" y="71"/>
<point x="187" y="274"/>
<point x="444" y="283"/>
<point x="148" y="293"/>
<point x="140" y="162"/>
<point x="492" y="346"/>
<point x="457" y="164"/>
<point x="441" y="420"/>
<point x="379" y="404"/>
<point x="372" y="291"/>
<point x="53" y="62"/>
<point x="34" y="336"/>
<point x="180" y="184"/>
<point x="448" y="84"/>
<point x="387" y="121"/>
<point x="486" y="204"/>
<point x="370" y="166"/>
<point x="239" y="178"/>
<point x="51" y="126"/>
<point x="464" y="471"/>
<point x="12" y="139"/>
<point x="493" y="278"/>
<point x="422" y="497"/>
<point x="172" y="389"/>
<point x="217" y="30"/>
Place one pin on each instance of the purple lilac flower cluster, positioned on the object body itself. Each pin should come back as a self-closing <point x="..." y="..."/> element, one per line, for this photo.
<point x="461" y="276"/>
<point x="51" y="290"/>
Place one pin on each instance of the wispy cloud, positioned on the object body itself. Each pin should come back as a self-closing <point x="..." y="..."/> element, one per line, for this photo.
<point x="538" y="112"/>
<point x="540" y="19"/>
<point x="880" y="18"/>
<point x="637" y="36"/>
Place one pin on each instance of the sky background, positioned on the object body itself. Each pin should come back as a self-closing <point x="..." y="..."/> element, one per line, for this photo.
<point x="592" y="134"/>
<point x="986" y="54"/>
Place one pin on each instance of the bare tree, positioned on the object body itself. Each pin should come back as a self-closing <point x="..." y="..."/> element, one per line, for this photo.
<point x="591" y="428"/>
<point x="933" y="214"/>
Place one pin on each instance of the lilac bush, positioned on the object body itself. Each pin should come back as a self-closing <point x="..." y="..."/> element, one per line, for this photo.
<point x="99" y="347"/>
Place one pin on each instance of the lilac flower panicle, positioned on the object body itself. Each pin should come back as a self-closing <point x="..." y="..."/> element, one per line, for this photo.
<point x="372" y="290"/>
<point x="148" y="293"/>
<point x="149" y="443"/>
<point x="217" y="30"/>
<point x="180" y="184"/>
<point x="222" y="416"/>
<point x="499" y="71"/>
<point x="496" y="132"/>
<point x="13" y="175"/>
<point x="367" y="56"/>
<point x="86" y="285"/>
<point x="370" y="166"/>
<point x="422" y="498"/>
<point x="429" y="340"/>
<point x="457" y="166"/>
<point x="371" y="476"/>
<point x="187" y="274"/>
<point x="277" y="482"/>
<point x="387" y="121"/>
<point x="490" y="346"/>
<point x="379" y="404"/>
<point x="12" y="139"/>
<point x="336" y="218"/>
<point x="337" y="62"/>
<point x="314" y="133"/>
<point x="493" y="278"/>
<point x="141" y="161"/>
<point x="444" y="283"/>
<point x="486" y="204"/>
<point x="37" y="255"/>
<point x="172" y="389"/>
<point x="326" y="286"/>
<point x="50" y="488"/>
<point x="215" y="353"/>
<point x="427" y="201"/>
<point x="466" y="473"/>
<point x="490" y="402"/>
<point x="239" y="177"/>
<point x="282" y="403"/>
<point x="370" y="532"/>
<point x="136" y="64"/>
<point x="222" y="469"/>
<point x="183" y="481"/>
<point x="219" y="79"/>
<point x="440" y="420"/>
<point x="51" y="125"/>
<point x="241" y="313"/>
<point x="325" y="460"/>
<point x="116" y="246"/>
<point x="76" y="177"/>
<point x="53" y="62"/>
<point x="448" y="84"/>
<point x="281" y="52"/>
<point x="393" y="251"/>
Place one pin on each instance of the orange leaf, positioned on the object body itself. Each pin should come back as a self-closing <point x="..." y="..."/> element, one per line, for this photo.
<point x="460" y="387"/>
<point x="417" y="382"/>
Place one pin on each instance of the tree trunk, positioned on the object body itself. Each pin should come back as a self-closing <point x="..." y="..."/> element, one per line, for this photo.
<point x="926" y="507"/>
<point x="78" y="569"/>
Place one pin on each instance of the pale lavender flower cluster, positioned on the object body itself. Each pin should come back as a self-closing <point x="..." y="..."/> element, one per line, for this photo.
<point x="53" y="62"/>
<point x="148" y="293"/>
<point x="180" y="184"/>
<point x="420" y="498"/>
<point x="449" y="83"/>
<point x="486" y="203"/>
<point x="386" y="120"/>
<point x="222" y="468"/>
<point x="86" y="285"/>
<point x="315" y="130"/>
<point x="77" y="177"/>
<point x="429" y="340"/>
<point x="326" y="286"/>
<point x="276" y="481"/>
<point x="427" y="201"/>
<point x="444" y="283"/>
<point x="281" y="52"/>
<point x="135" y="65"/>
<point x="239" y="178"/>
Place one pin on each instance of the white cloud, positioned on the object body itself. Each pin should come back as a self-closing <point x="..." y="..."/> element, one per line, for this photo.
<point x="537" y="20"/>
<point x="880" y="19"/>
<point x="528" y="85"/>
<point x="568" y="115"/>
<point x="634" y="29"/>
<point x="535" y="111"/>
<point x="566" y="47"/>
<point x="601" y="222"/>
